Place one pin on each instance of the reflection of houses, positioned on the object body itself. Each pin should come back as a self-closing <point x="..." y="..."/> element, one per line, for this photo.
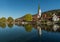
<point x="55" y="27"/>
<point x="52" y="28"/>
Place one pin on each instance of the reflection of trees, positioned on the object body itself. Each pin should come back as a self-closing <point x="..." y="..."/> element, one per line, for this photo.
<point x="51" y="28"/>
<point x="19" y="25"/>
<point x="10" y="25"/>
<point x="47" y="27"/>
<point x="34" y="26"/>
<point x="3" y="25"/>
<point x="28" y="27"/>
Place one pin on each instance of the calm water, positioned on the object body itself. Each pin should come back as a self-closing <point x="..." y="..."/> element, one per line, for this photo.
<point x="29" y="33"/>
<point x="14" y="33"/>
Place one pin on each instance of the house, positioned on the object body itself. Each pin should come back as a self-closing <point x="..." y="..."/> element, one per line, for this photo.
<point x="46" y="17"/>
<point x="55" y="17"/>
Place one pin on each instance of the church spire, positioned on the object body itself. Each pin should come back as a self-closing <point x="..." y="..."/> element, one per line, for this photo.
<point x="38" y="7"/>
<point x="39" y="11"/>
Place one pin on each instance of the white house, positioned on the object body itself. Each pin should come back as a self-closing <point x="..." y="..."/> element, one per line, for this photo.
<point x="55" y="18"/>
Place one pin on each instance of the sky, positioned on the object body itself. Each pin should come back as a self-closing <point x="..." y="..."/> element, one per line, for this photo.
<point x="19" y="8"/>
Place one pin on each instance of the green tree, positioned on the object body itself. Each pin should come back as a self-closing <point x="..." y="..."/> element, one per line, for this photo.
<point x="28" y="27"/>
<point x="3" y="19"/>
<point x="28" y="17"/>
<point x="10" y="19"/>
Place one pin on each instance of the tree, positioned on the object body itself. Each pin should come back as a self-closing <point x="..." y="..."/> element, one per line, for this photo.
<point x="3" y="19"/>
<point x="28" y="17"/>
<point x="10" y="19"/>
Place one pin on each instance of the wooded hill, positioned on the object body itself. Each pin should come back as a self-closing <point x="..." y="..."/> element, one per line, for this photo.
<point x="56" y="11"/>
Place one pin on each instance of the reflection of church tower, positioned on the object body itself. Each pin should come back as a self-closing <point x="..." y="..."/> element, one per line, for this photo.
<point x="39" y="12"/>
<point x="39" y="30"/>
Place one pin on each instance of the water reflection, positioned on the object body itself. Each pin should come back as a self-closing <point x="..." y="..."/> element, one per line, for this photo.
<point x="39" y="30"/>
<point x="3" y="25"/>
<point x="49" y="28"/>
<point x="10" y="25"/>
<point x="55" y="27"/>
<point x="28" y="27"/>
<point x="34" y="31"/>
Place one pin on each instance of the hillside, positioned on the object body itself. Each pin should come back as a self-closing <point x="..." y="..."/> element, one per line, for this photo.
<point x="50" y="12"/>
<point x="57" y="12"/>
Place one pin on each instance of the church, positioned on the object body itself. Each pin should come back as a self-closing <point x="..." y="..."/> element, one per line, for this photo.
<point x="38" y="15"/>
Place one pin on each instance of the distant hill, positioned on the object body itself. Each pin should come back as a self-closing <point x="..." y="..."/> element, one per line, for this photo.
<point x="56" y="11"/>
<point x="50" y="12"/>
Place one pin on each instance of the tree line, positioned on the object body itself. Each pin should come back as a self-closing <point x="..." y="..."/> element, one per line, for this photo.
<point x="6" y="20"/>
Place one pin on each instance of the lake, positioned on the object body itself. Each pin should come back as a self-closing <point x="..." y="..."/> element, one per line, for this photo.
<point x="29" y="33"/>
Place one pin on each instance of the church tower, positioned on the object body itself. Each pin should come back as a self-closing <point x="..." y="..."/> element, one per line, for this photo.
<point x="39" y="12"/>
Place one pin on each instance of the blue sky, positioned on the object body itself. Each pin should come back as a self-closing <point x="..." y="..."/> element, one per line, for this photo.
<point x="18" y="8"/>
<point x="47" y="5"/>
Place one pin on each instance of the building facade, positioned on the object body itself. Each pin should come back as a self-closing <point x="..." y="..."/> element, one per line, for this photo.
<point x="55" y="18"/>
